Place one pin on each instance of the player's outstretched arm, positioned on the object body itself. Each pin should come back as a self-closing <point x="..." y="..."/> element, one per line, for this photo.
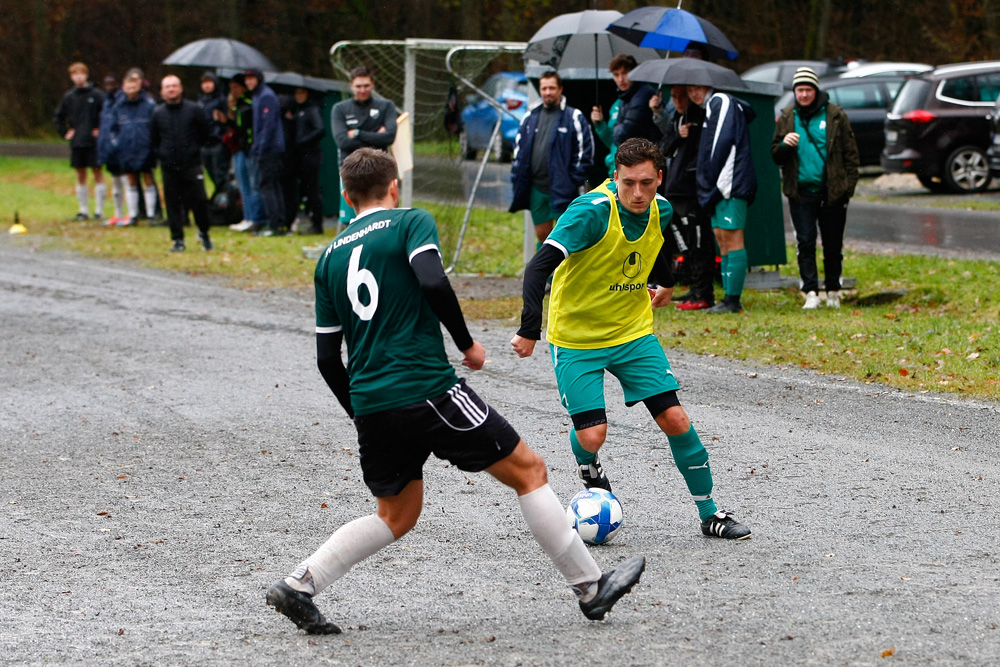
<point x="536" y="274"/>
<point x="331" y="367"/>
<point x="441" y="298"/>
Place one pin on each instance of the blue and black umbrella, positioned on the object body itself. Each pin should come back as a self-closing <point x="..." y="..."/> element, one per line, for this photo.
<point x="667" y="29"/>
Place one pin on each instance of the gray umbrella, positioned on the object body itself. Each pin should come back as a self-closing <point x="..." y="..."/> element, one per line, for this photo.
<point x="220" y="52"/>
<point x="296" y="80"/>
<point x="578" y="46"/>
<point x="687" y="72"/>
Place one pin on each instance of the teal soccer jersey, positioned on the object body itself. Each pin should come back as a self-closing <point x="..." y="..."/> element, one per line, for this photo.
<point x="366" y="288"/>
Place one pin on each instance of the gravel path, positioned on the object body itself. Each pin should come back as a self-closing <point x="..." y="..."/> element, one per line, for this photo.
<point x="169" y="449"/>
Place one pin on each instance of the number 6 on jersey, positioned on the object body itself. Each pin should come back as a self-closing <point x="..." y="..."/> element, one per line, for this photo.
<point x="356" y="277"/>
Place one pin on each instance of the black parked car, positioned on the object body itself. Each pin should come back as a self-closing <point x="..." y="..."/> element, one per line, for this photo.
<point x="939" y="127"/>
<point x="865" y="101"/>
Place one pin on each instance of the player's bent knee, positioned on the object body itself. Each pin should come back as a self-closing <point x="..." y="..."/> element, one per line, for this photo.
<point x="592" y="438"/>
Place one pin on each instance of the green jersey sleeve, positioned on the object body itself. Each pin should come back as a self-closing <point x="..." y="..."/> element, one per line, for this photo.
<point x="583" y="224"/>
<point x="326" y="317"/>
<point x="421" y="233"/>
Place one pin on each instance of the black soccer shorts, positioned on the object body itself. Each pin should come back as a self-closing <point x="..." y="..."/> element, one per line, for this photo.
<point x="457" y="426"/>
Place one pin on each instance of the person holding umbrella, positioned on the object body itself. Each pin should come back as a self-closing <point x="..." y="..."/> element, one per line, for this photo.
<point x="727" y="183"/>
<point x="818" y="176"/>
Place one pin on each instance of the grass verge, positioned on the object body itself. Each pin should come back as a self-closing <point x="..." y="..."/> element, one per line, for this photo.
<point x="916" y="323"/>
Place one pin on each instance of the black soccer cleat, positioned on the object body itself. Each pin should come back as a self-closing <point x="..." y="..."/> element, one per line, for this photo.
<point x="300" y="609"/>
<point x="731" y="304"/>
<point x="593" y="475"/>
<point x="612" y="586"/>
<point x="723" y="524"/>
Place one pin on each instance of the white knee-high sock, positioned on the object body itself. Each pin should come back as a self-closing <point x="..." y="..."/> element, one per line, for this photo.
<point x="118" y="195"/>
<point x="352" y="543"/>
<point x="132" y="199"/>
<point x="546" y="519"/>
<point x="81" y="198"/>
<point x="149" y="194"/>
<point x="100" y="192"/>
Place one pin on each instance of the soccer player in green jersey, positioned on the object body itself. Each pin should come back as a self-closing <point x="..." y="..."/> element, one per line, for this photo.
<point x="380" y="287"/>
<point x="604" y="250"/>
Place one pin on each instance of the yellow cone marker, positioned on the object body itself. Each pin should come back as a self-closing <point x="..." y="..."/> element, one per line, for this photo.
<point x="17" y="228"/>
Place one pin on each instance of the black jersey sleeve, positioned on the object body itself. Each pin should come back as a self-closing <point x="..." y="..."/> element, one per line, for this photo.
<point x="331" y="367"/>
<point x="441" y="297"/>
<point x="663" y="272"/>
<point x="536" y="273"/>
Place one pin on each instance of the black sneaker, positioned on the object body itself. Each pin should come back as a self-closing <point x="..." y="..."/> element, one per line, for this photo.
<point x="80" y="217"/>
<point x="723" y="524"/>
<point x="206" y="242"/>
<point x="593" y="475"/>
<point x="300" y="609"/>
<point x="612" y="586"/>
<point x="178" y="246"/>
<point x="727" y="305"/>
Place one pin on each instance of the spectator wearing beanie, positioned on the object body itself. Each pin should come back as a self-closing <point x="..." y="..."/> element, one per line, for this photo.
<point x="815" y="148"/>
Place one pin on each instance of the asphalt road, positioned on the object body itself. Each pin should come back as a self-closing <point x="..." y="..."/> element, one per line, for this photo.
<point x="169" y="449"/>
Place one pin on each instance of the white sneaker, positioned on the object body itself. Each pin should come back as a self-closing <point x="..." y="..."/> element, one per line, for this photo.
<point x="833" y="299"/>
<point x="812" y="301"/>
<point x="243" y="226"/>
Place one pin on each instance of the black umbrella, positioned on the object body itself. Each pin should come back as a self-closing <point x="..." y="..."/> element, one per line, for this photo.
<point x="296" y="80"/>
<point x="220" y="52"/>
<point x="687" y="72"/>
<point x="578" y="45"/>
<point x="668" y="29"/>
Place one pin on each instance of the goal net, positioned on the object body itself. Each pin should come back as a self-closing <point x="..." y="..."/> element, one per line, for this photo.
<point x="421" y="77"/>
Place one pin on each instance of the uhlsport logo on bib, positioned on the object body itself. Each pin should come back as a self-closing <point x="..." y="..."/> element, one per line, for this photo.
<point x="631" y="269"/>
<point x="632" y="266"/>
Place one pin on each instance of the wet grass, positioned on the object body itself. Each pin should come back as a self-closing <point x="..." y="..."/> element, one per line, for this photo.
<point x="916" y="323"/>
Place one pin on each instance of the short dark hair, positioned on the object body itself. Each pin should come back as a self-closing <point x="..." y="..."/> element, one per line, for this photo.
<point x="367" y="173"/>
<point x="636" y="151"/>
<point x="551" y="74"/>
<point x="361" y="70"/>
<point x="622" y="60"/>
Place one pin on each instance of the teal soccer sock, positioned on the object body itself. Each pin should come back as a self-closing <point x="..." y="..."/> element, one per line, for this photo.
<point x="691" y="458"/>
<point x="724" y="269"/>
<point x="737" y="272"/>
<point x="583" y="457"/>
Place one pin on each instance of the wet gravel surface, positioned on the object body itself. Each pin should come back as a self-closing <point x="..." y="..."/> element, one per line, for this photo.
<point x="169" y="449"/>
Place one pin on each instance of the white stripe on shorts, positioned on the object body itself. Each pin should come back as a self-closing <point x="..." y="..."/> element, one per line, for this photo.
<point x="472" y="412"/>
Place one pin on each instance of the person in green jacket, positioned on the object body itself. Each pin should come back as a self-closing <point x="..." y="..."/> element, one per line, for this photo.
<point x="815" y="148"/>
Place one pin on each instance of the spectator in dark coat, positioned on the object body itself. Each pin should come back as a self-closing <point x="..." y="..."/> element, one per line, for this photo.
<point x="214" y="154"/>
<point x="303" y="160"/>
<point x="267" y="150"/>
<point x="112" y="93"/>
<point x="179" y="130"/>
<point x="78" y="120"/>
<point x="629" y="115"/>
<point x="131" y="148"/>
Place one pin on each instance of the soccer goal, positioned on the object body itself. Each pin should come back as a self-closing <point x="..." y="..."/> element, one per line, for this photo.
<point x="433" y="82"/>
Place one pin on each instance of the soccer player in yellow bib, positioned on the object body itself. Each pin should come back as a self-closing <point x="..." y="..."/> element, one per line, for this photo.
<point x="605" y="249"/>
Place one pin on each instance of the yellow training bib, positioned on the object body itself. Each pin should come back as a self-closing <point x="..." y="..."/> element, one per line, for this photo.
<point x="599" y="296"/>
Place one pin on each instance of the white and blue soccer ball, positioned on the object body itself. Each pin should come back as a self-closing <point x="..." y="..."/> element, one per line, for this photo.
<point x="596" y="515"/>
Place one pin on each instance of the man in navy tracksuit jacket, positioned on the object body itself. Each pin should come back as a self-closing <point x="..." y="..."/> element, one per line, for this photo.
<point x="727" y="184"/>
<point x="267" y="149"/>
<point x="553" y="150"/>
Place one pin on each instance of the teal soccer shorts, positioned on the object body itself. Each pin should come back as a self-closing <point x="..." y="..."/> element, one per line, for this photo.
<point x="640" y="366"/>
<point x="730" y="214"/>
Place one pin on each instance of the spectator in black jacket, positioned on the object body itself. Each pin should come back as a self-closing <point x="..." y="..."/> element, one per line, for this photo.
<point x="214" y="154"/>
<point x="303" y="160"/>
<point x="179" y="129"/>
<point x="78" y="119"/>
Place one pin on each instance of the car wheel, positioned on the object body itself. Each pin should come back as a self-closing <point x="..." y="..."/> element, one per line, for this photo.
<point x="468" y="152"/>
<point x="932" y="185"/>
<point x="967" y="170"/>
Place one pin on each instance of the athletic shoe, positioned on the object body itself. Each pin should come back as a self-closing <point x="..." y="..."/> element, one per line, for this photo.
<point x="178" y="246"/>
<point x="612" y="586"/>
<point x="694" y="304"/>
<point x="267" y="233"/>
<point x="300" y="609"/>
<point x="593" y="475"/>
<point x="722" y="524"/>
<point x="687" y="296"/>
<point x="157" y="222"/>
<point x="110" y="222"/>
<point x="206" y="242"/>
<point x="833" y="299"/>
<point x="128" y="222"/>
<point x="244" y="226"/>
<point x="80" y="217"/>
<point x="727" y="305"/>
<point x="812" y="301"/>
